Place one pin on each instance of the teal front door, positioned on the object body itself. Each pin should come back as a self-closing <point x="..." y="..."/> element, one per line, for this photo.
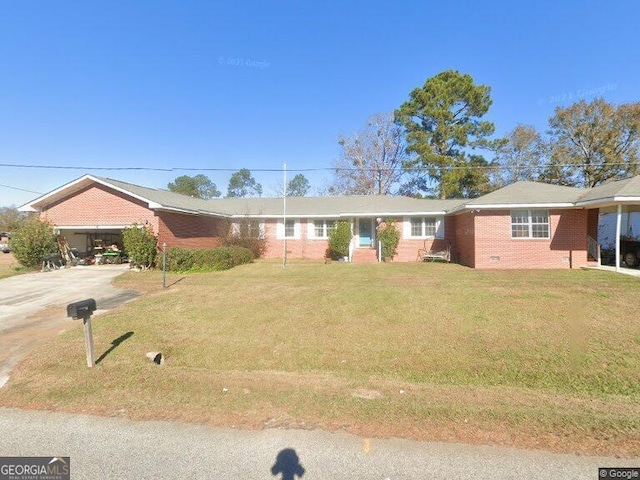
<point x="365" y="232"/>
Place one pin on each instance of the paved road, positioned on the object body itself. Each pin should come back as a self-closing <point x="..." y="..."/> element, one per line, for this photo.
<point x="115" y="448"/>
<point x="33" y="307"/>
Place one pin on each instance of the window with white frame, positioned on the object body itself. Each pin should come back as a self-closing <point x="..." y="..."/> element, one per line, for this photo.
<point x="322" y="227"/>
<point x="529" y="224"/>
<point x="290" y="229"/>
<point x="424" y="227"/>
<point x="249" y="229"/>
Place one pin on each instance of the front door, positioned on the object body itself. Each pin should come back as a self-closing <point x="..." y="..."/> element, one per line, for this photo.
<point x="365" y="232"/>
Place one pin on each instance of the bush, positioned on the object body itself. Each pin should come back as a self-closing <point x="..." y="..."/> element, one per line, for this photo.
<point x="210" y="259"/>
<point x="389" y="236"/>
<point x="257" y="246"/>
<point x="339" y="239"/>
<point x="31" y="240"/>
<point x="140" y="245"/>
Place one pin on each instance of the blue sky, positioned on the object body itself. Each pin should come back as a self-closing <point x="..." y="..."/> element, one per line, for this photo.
<point x="204" y="84"/>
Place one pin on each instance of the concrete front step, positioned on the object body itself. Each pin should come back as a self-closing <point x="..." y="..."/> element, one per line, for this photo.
<point x="364" y="255"/>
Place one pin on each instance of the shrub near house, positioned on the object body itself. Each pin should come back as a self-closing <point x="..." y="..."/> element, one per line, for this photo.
<point x="339" y="240"/>
<point x="32" y="240"/>
<point x="206" y="260"/>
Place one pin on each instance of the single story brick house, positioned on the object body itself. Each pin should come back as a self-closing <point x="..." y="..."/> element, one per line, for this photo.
<point x="523" y="225"/>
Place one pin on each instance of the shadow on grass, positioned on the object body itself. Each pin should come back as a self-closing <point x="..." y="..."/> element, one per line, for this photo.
<point x="177" y="281"/>
<point x="114" y="345"/>
<point x="288" y="464"/>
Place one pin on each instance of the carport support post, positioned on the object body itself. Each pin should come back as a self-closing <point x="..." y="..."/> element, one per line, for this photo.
<point x="88" y="340"/>
<point x="618" y="222"/>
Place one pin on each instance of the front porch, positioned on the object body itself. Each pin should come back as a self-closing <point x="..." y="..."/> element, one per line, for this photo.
<point x="364" y="244"/>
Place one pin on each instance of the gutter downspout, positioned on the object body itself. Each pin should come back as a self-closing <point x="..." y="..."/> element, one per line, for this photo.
<point x="618" y="222"/>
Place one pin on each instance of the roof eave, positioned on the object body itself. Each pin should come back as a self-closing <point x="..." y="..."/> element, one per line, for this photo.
<point x="606" y="201"/>
<point x="503" y="206"/>
<point x="341" y="215"/>
<point x="41" y="202"/>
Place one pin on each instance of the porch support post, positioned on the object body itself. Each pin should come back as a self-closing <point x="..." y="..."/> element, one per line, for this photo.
<point x="618" y="223"/>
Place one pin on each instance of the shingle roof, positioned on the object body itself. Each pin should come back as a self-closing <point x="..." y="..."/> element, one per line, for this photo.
<point x="528" y="193"/>
<point x="629" y="187"/>
<point x="519" y="193"/>
<point x="296" y="206"/>
<point x="164" y="198"/>
<point x="369" y="205"/>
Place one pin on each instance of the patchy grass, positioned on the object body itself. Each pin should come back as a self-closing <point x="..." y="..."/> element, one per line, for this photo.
<point x="9" y="266"/>
<point x="544" y="359"/>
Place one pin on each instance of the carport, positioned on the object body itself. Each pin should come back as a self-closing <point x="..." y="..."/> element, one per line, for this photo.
<point x="86" y="239"/>
<point x="619" y="201"/>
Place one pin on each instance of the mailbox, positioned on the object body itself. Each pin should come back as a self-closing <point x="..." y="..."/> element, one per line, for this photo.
<point x="82" y="309"/>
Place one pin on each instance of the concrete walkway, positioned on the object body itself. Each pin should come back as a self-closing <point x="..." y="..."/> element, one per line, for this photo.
<point x="634" y="272"/>
<point x="115" y="448"/>
<point x="33" y="306"/>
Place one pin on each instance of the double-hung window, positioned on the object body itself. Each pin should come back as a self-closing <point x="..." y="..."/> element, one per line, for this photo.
<point x="529" y="224"/>
<point x="322" y="227"/>
<point x="424" y="227"/>
<point x="290" y="229"/>
<point x="248" y="229"/>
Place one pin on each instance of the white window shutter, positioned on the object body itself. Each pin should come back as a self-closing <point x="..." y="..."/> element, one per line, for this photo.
<point x="439" y="227"/>
<point x="406" y="227"/>
<point x="262" y="229"/>
<point x="280" y="230"/>
<point x="296" y="230"/>
<point x="311" y="229"/>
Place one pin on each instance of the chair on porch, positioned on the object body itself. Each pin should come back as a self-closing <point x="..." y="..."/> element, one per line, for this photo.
<point x="432" y="254"/>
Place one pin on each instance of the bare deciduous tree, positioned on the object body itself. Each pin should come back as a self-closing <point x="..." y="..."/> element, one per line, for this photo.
<point x="372" y="159"/>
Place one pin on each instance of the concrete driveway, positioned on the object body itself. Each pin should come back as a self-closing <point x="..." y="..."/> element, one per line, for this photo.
<point x="33" y="307"/>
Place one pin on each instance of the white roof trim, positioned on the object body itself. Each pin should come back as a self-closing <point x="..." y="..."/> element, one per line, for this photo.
<point x="93" y="227"/>
<point x="609" y="200"/>
<point x="28" y="207"/>
<point x="340" y="215"/>
<point x="150" y="203"/>
<point x="280" y="215"/>
<point x="395" y="214"/>
<point x="503" y="206"/>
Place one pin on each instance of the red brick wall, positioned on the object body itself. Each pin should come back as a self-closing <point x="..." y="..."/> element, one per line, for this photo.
<point x="305" y="248"/>
<point x="310" y="248"/>
<point x="593" y="218"/>
<point x="408" y="247"/>
<point x="464" y="228"/>
<point x="190" y="231"/>
<point x="566" y="248"/>
<point x="99" y="205"/>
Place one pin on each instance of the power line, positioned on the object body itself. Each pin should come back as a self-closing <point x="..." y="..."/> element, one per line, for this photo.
<point x="20" y="189"/>
<point x="320" y="169"/>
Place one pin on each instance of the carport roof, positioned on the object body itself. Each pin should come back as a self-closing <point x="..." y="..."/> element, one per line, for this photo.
<point x="621" y="191"/>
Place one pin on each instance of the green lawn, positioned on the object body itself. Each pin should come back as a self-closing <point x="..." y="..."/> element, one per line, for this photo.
<point x="545" y="359"/>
